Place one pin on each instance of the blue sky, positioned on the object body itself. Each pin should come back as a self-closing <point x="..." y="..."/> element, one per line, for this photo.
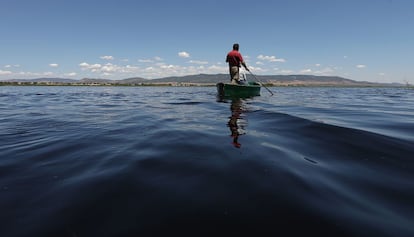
<point x="364" y="40"/>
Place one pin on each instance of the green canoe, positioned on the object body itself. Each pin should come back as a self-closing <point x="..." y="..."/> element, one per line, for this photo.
<point x="238" y="90"/>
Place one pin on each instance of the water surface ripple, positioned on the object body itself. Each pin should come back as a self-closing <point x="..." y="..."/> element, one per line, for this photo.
<point x="139" y="161"/>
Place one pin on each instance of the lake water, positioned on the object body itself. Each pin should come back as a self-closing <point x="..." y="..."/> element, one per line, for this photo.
<point x="151" y="161"/>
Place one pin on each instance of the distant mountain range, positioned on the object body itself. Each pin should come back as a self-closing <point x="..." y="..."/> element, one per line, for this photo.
<point x="210" y="79"/>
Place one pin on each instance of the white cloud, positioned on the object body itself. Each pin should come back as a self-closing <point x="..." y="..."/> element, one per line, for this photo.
<point x="270" y="58"/>
<point x="217" y="69"/>
<point x="109" y="68"/>
<point x="317" y="65"/>
<point x="149" y="69"/>
<point x="71" y="74"/>
<point x="361" y="66"/>
<point x="286" y="71"/>
<point x="145" y="60"/>
<point x="131" y="67"/>
<point x="53" y="65"/>
<point x="305" y="71"/>
<point x="158" y="70"/>
<point x="167" y="66"/>
<point x="256" y="69"/>
<point x="150" y="60"/>
<point x="10" y="66"/>
<point x="325" y="71"/>
<point x="5" y="72"/>
<point x="107" y="57"/>
<point x="183" y="54"/>
<point x="198" y="62"/>
<point x="92" y="67"/>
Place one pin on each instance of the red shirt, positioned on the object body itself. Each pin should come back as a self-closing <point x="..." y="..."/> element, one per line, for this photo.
<point x="234" y="58"/>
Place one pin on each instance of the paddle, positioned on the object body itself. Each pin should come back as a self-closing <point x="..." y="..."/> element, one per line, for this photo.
<point x="260" y="82"/>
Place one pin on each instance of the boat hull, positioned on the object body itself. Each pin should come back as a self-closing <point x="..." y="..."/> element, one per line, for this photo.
<point x="235" y="90"/>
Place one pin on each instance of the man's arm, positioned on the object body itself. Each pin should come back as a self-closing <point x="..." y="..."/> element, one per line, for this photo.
<point x="244" y="65"/>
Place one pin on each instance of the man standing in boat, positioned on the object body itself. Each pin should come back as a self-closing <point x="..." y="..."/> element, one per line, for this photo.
<point x="235" y="59"/>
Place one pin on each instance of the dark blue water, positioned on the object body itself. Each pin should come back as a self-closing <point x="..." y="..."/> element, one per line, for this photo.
<point x="151" y="161"/>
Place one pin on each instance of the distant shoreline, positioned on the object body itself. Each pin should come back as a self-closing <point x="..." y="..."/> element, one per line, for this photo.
<point x="175" y="84"/>
<point x="205" y="80"/>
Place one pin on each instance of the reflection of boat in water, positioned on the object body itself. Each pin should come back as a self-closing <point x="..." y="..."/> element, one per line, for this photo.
<point x="236" y="122"/>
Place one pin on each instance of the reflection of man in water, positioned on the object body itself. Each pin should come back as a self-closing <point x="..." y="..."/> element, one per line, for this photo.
<point x="235" y="128"/>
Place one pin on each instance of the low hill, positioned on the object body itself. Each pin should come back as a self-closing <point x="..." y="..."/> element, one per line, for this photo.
<point x="277" y="80"/>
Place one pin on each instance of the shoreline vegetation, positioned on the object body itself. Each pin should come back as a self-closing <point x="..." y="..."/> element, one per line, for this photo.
<point x="204" y="80"/>
<point x="293" y="84"/>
